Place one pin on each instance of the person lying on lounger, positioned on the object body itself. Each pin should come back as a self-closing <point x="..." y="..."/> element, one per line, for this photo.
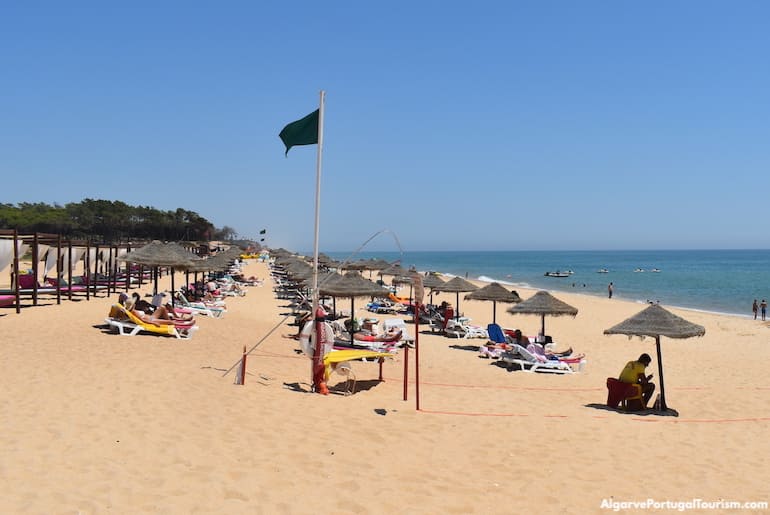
<point x="542" y="354"/>
<point x="150" y="318"/>
<point x="364" y="336"/>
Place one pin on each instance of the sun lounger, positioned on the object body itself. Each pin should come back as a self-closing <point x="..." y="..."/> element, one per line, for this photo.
<point x="200" y="308"/>
<point x="127" y="324"/>
<point x="528" y="362"/>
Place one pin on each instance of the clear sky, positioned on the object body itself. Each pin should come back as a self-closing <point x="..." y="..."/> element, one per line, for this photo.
<point x="479" y="125"/>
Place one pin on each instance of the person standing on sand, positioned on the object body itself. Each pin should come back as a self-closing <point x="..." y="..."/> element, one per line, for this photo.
<point x="755" y="308"/>
<point x="763" y="308"/>
<point x="609" y="290"/>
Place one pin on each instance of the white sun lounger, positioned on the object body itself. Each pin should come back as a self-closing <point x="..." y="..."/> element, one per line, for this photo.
<point x="529" y="363"/>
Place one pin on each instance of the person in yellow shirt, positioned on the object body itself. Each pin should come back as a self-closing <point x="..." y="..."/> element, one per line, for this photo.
<point x="633" y="373"/>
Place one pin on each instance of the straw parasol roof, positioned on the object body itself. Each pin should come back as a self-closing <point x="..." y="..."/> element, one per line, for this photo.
<point x="395" y="269"/>
<point x="543" y="303"/>
<point x="431" y="281"/>
<point x="456" y="285"/>
<point x="379" y="264"/>
<point x="496" y="293"/>
<point x="656" y="321"/>
<point x="351" y="285"/>
<point x="157" y="253"/>
<point x="356" y="265"/>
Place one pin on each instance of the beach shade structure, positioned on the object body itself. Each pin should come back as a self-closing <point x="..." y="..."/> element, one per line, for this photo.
<point x="379" y="264"/>
<point x="431" y="281"/>
<point x="456" y="285"/>
<point x="157" y="254"/>
<point x="281" y="252"/>
<point x="327" y="262"/>
<point x="656" y="321"/>
<point x="351" y="285"/>
<point x="402" y="279"/>
<point x="358" y="266"/>
<point x="543" y="303"/>
<point x="362" y="265"/>
<point x="396" y="270"/>
<point x="496" y="293"/>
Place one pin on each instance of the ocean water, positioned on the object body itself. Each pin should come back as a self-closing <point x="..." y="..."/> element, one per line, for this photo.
<point x="722" y="281"/>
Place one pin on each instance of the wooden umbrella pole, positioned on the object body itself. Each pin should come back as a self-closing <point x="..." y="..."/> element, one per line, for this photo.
<point x="663" y="406"/>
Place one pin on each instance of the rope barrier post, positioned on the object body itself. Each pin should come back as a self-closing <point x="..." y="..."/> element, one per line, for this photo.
<point x="417" y="308"/>
<point x="381" y="361"/>
<point x="243" y="367"/>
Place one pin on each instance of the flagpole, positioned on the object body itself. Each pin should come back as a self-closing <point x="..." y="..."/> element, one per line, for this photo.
<point x="317" y="366"/>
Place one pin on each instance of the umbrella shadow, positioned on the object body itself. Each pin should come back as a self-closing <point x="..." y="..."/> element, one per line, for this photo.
<point x="508" y="367"/>
<point x="641" y="413"/>
<point x="474" y="348"/>
<point x="341" y="388"/>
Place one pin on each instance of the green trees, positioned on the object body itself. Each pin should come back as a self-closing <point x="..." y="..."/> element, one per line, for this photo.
<point x="108" y="221"/>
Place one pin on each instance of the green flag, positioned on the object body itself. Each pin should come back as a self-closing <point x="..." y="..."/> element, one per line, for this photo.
<point x="301" y="132"/>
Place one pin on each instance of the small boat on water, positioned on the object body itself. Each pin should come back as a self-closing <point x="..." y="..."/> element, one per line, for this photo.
<point x="602" y="271"/>
<point x="558" y="274"/>
<point x="639" y="270"/>
<point x="656" y="270"/>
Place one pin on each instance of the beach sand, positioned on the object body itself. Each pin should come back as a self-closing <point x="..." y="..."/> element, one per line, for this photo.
<point x="95" y="423"/>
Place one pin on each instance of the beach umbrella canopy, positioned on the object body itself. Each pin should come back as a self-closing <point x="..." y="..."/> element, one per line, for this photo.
<point x="543" y="303"/>
<point x="395" y="270"/>
<point x="456" y="285"/>
<point x="431" y="281"/>
<point x="656" y="321"/>
<point x="157" y="254"/>
<point x="356" y="265"/>
<point x="496" y="293"/>
<point x="379" y="264"/>
<point x="351" y="285"/>
<point x="161" y="254"/>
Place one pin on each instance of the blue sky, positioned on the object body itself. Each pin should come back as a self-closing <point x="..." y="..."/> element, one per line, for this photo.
<point x="455" y="125"/>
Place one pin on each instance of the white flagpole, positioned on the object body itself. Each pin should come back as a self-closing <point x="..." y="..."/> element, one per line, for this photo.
<point x="317" y="354"/>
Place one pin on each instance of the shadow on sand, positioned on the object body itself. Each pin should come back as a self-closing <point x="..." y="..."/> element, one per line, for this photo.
<point x="642" y="413"/>
<point x="474" y="348"/>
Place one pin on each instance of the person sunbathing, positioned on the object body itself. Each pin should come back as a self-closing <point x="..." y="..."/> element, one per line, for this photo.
<point x="168" y="311"/>
<point x="544" y="355"/>
<point x="153" y="318"/>
<point x="364" y="336"/>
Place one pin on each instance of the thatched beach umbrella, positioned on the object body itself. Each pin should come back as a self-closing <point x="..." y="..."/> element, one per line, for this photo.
<point x="543" y="303"/>
<point x="432" y="281"/>
<point x="358" y="266"/>
<point x="456" y="285"/>
<point x="158" y="254"/>
<point x="496" y="293"/>
<point x="656" y="321"/>
<point x="351" y="285"/>
<point x="395" y="270"/>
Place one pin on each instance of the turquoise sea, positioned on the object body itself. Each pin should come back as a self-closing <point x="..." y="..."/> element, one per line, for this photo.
<point x="722" y="281"/>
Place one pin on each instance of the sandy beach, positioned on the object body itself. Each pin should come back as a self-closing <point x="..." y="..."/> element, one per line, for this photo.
<point x="94" y="422"/>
